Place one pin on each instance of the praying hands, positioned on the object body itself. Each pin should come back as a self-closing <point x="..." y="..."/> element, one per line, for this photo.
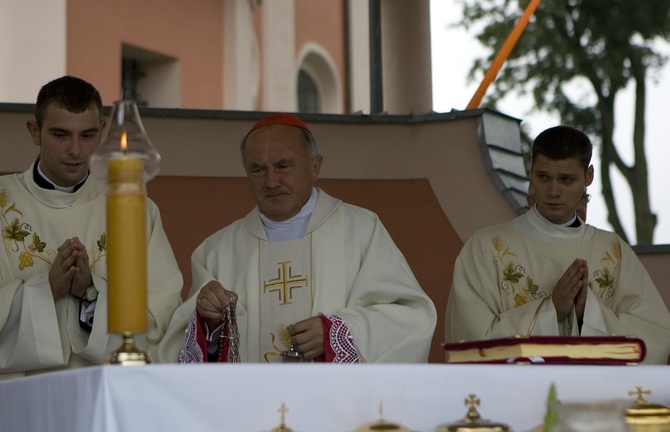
<point x="571" y="290"/>
<point x="70" y="272"/>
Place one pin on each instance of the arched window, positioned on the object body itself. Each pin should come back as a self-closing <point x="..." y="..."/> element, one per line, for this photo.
<point x="309" y="99"/>
<point x="319" y="89"/>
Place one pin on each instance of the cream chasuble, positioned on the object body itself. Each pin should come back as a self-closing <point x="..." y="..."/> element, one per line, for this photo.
<point x="504" y="277"/>
<point x="285" y="293"/>
<point x="346" y="268"/>
<point x="38" y="334"/>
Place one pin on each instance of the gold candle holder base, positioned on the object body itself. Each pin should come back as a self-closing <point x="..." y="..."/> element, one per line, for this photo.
<point x="128" y="354"/>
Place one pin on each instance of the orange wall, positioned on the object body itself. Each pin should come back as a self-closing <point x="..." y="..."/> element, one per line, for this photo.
<point x="191" y="31"/>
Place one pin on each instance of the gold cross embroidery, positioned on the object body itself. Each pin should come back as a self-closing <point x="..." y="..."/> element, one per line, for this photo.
<point x="284" y="285"/>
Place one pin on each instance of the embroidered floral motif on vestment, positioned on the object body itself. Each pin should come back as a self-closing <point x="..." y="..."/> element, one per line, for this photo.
<point x="284" y="339"/>
<point x="514" y="280"/>
<point x="604" y="277"/>
<point x="19" y="238"/>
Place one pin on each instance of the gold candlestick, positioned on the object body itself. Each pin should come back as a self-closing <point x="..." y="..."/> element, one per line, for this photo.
<point x="128" y="354"/>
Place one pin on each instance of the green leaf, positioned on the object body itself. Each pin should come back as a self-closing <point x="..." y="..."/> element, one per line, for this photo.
<point x="37" y="245"/>
<point x="551" y="417"/>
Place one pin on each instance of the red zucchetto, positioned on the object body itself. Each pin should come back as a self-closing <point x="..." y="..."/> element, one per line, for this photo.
<point x="279" y="119"/>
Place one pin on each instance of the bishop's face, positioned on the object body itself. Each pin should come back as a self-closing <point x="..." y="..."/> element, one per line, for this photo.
<point x="558" y="186"/>
<point x="280" y="170"/>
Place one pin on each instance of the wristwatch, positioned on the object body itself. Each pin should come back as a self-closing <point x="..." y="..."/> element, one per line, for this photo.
<point x="91" y="294"/>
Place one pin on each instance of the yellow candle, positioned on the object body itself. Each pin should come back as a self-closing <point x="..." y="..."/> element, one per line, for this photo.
<point x="126" y="247"/>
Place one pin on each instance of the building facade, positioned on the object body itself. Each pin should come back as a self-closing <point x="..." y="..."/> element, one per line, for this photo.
<point x="246" y="55"/>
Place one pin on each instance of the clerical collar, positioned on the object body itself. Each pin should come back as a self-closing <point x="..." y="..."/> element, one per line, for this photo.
<point x="572" y="223"/>
<point x="43" y="181"/>
<point x="293" y="228"/>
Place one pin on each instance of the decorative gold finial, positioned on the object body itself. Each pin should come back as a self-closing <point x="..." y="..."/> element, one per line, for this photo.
<point x="381" y="424"/>
<point x="282" y="425"/>
<point x="283" y="410"/>
<point x="472" y="402"/>
<point x="639" y="392"/>
<point x="473" y="421"/>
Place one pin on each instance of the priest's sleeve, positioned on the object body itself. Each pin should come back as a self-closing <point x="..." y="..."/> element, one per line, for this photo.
<point x="338" y="344"/>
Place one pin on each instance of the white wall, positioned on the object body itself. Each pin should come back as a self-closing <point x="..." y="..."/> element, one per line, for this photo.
<point x="32" y="46"/>
<point x="279" y="58"/>
<point x="359" y="56"/>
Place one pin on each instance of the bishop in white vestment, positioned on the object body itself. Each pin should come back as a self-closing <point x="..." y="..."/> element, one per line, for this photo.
<point x="326" y="259"/>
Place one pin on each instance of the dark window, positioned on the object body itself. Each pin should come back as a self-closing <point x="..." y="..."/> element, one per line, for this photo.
<point x="309" y="100"/>
<point x="131" y="74"/>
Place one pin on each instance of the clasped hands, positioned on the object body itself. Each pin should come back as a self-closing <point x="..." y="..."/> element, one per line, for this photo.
<point x="571" y="290"/>
<point x="70" y="272"/>
<point x="306" y="335"/>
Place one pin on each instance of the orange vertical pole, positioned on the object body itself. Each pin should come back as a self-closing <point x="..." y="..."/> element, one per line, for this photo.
<point x="503" y="54"/>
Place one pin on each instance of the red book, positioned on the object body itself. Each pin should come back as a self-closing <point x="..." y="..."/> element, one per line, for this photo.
<point x="584" y="350"/>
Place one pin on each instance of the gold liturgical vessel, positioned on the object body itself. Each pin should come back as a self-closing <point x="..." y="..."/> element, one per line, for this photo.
<point x="644" y="416"/>
<point x="125" y="161"/>
<point x="382" y="425"/>
<point x="473" y="422"/>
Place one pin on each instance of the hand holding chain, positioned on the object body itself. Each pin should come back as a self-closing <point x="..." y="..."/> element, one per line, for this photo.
<point x="230" y="330"/>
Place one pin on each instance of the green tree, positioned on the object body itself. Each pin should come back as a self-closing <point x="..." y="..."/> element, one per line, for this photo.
<point x="574" y="57"/>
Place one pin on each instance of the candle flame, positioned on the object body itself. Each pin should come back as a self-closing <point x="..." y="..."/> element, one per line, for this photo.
<point x="124" y="143"/>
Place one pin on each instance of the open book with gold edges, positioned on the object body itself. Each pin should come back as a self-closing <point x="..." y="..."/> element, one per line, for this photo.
<point x="587" y="350"/>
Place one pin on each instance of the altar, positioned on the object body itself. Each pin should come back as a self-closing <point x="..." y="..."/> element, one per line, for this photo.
<point x="317" y="397"/>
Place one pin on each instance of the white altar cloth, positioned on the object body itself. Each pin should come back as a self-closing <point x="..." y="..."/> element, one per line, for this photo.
<point x="319" y="397"/>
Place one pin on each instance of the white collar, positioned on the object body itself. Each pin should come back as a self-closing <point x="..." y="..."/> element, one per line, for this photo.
<point x="68" y="189"/>
<point x="294" y="227"/>
<point x="567" y="224"/>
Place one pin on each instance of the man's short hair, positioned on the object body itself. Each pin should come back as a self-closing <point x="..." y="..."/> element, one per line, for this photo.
<point x="563" y="142"/>
<point x="68" y="92"/>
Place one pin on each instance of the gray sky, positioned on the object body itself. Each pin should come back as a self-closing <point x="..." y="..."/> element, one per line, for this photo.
<point x="453" y="52"/>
